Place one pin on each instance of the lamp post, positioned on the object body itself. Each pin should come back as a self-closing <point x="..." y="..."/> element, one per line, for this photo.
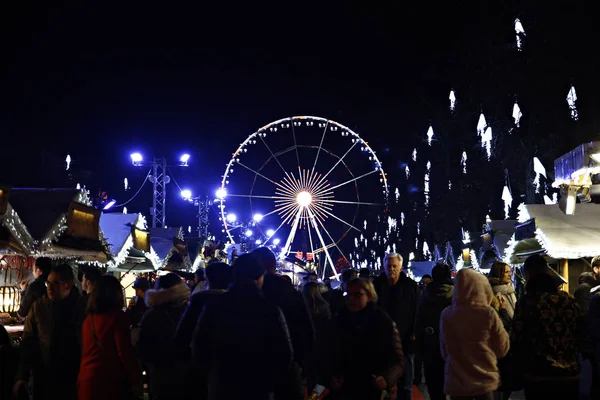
<point x="160" y="180"/>
<point x="203" y="203"/>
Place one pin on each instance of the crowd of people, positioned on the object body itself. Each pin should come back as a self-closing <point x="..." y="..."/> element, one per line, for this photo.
<point x="245" y="332"/>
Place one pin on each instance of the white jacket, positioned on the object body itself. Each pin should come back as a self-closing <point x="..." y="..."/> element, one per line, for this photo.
<point x="472" y="338"/>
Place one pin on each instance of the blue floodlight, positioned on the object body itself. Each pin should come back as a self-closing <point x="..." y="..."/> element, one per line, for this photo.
<point x="257" y="217"/>
<point x="231" y="218"/>
<point x="109" y="204"/>
<point x="221" y="193"/>
<point x="136" y="159"/>
<point x="276" y="241"/>
<point x="184" y="159"/>
<point x="248" y="233"/>
<point x="186" y="194"/>
<point x="270" y="232"/>
<point x="258" y="242"/>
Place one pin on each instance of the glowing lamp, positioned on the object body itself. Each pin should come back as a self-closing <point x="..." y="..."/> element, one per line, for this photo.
<point x="276" y="241"/>
<point x="304" y="199"/>
<point x="136" y="159"/>
<point x="10" y="299"/>
<point x="231" y="218"/>
<point x="257" y="217"/>
<point x="184" y="159"/>
<point x="248" y="233"/>
<point x="186" y="194"/>
<point x="109" y="205"/>
<point x="221" y="193"/>
<point x="270" y="232"/>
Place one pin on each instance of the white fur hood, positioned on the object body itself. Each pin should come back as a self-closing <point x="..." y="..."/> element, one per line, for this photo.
<point x="177" y="294"/>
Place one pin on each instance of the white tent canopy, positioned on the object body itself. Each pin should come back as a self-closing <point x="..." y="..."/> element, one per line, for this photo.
<point x="565" y="236"/>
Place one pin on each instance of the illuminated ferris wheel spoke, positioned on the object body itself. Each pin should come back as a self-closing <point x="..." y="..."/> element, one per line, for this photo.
<point x="353" y="179"/>
<point x="270" y="151"/>
<point x="258" y="173"/>
<point x="340" y="160"/>
<point x="358" y="203"/>
<point x="327" y="255"/>
<point x="333" y="243"/>
<point x="255" y="196"/>
<point x="295" y="145"/>
<point x="320" y="145"/>
<point x="283" y="222"/>
<point x="341" y="220"/>
<point x="290" y="239"/>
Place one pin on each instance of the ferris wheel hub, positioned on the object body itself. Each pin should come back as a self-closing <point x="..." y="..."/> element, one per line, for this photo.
<point x="304" y="199"/>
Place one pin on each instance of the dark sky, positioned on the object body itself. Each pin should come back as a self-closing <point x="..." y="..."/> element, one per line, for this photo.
<point x="100" y="82"/>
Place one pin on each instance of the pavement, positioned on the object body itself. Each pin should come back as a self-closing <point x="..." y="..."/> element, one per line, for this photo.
<point x="420" y="393"/>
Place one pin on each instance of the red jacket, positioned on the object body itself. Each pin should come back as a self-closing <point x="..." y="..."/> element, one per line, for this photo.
<point x="108" y="363"/>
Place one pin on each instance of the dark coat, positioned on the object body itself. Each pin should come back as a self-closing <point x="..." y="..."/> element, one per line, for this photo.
<point x="156" y="346"/>
<point x="586" y="283"/>
<point x="436" y="297"/>
<point x="36" y="290"/>
<point x="189" y="319"/>
<point x="50" y="348"/>
<point x="594" y="323"/>
<point x="364" y="344"/>
<point x="540" y="349"/>
<point x="400" y="303"/>
<point x="291" y="302"/>
<point x="242" y="344"/>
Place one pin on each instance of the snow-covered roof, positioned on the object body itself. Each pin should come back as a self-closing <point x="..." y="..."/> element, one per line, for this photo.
<point x="562" y="235"/>
<point x="117" y="229"/>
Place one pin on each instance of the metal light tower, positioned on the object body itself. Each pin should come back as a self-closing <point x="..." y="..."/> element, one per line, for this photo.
<point x="203" y="204"/>
<point x="160" y="180"/>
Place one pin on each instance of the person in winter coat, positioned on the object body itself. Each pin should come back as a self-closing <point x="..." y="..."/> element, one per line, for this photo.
<point x="283" y="295"/>
<point x="472" y="339"/>
<point x="500" y="279"/>
<point x="241" y="343"/>
<point x="397" y="295"/>
<point x="367" y="350"/>
<point x="594" y="334"/>
<point x="156" y="346"/>
<point x="545" y="337"/>
<point x="436" y="296"/>
<point x="321" y="316"/>
<point x="9" y="358"/>
<point x="109" y="369"/>
<point x="36" y="289"/>
<point x="50" y="347"/>
<point x="589" y="283"/>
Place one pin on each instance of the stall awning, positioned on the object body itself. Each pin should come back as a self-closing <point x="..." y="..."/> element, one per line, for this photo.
<point x="565" y="236"/>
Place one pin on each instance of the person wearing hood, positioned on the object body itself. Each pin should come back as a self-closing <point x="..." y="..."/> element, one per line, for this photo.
<point x="472" y="339"/>
<point x="437" y="295"/>
<point x="156" y="345"/>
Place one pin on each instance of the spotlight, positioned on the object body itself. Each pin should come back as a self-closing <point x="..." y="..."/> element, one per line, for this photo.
<point x="221" y="193"/>
<point x="276" y="241"/>
<point x="248" y="233"/>
<point x="257" y="217"/>
<point x="109" y="205"/>
<point x="270" y="232"/>
<point x="184" y="159"/>
<point x="186" y="194"/>
<point x="231" y="218"/>
<point x="136" y="159"/>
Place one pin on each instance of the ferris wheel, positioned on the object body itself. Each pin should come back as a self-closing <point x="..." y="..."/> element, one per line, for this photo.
<point x="301" y="185"/>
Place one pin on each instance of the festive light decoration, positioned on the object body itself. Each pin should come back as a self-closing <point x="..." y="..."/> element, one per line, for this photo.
<point x="426" y="188"/>
<point x="516" y="114"/>
<point x="402" y="218"/>
<point x="78" y="187"/>
<point x="571" y="100"/>
<point x="397" y="195"/>
<point x="429" y="135"/>
<point x="481" y="125"/>
<point x="407" y="171"/>
<point x="449" y="185"/>
<point x="539" y="169"/>
<point x="124" y="210"/>
<point x="519" y="31"/>
<point x="486" y="142"/>
<point x="418" y="228"/>
<point x="68" y="161"/>
<point x="463" y="162"/>
<point x="126" y="183"/>
<point x="507" y="198"/>
<point x="426" y="252"/>
<point x="452" y="99"/>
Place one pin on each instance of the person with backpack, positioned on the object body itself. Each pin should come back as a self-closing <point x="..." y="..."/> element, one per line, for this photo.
<point x="436" y="296"/>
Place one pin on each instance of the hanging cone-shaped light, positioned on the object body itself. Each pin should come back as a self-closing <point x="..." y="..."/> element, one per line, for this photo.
<point x="429" y="135"/>
<point x="452" y="99"/>
<point x="571" y="100"/>
<point x="516" y="114"/>
<point x="481" y="125"/>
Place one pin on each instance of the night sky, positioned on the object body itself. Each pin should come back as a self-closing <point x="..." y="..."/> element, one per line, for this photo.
<point x="101" y="82"/>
